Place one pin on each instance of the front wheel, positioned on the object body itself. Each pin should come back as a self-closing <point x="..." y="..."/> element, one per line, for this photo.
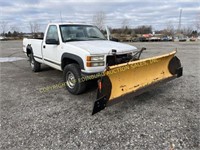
<point x="35" y="66"/>
<point x="72" y="76"/>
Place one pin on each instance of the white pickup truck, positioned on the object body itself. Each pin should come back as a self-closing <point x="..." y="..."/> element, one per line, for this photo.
<point x="76" y="49"/>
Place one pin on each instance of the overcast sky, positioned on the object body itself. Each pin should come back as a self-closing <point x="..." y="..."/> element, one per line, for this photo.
<point x="138" y="12"/>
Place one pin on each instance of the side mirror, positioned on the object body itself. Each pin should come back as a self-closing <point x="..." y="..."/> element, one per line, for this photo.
<point x="52" y="41"/>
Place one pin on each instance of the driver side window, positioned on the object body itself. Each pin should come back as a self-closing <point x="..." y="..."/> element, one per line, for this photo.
<point x="52" y="33"/>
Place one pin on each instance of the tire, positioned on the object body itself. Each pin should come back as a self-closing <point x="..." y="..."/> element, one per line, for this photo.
<point x="72" y="76"/>
<point x="35" y="66"/>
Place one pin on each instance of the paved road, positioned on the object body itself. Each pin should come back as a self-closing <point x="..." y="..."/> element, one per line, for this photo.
<point x="156" y="120"/>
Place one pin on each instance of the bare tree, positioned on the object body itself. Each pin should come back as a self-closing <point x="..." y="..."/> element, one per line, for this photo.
<point x="169" y="29"/>
<point x="4" y="26"/>
<point x="125" y="23"/>
<point x="99" y="19"/>
<point x="34" y="27"/>
<point x="197" y="22"/>
<point x="14" y="28"/>
<point x="143" y="29"/>
<point x="187" y="31"/>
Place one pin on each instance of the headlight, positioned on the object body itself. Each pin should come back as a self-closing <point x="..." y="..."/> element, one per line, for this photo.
<point x="95" y="58"/>
<point x="94" y="64"/>
<point x="94" y="61"/>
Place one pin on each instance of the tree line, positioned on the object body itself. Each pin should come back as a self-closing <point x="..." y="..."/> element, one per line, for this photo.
<point x="99" y="19"/>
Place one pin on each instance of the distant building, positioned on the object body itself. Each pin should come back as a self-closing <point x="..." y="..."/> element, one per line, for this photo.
<point x="2" y="38"/>
<point x="147" y="35"/>
<point x="27" y="35"/>
<point x="33" y="35"/>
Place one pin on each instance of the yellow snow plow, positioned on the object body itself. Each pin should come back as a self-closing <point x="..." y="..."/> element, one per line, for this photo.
<point x="135" y="77"/>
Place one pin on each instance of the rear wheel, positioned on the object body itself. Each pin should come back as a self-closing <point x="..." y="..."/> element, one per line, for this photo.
<point x="72" y="76"/>
<point x="35" y="66"/>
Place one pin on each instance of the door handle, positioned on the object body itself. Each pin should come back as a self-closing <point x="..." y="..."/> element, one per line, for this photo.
<point x="44" y="46"/>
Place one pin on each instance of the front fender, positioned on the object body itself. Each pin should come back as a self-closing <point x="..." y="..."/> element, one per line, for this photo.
<point x="73" y="58"/>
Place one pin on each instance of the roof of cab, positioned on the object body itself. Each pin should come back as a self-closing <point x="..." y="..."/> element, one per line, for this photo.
<point x="70" y="23"/>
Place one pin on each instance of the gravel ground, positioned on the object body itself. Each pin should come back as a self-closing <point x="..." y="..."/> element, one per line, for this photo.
<point x="167" y="116"/>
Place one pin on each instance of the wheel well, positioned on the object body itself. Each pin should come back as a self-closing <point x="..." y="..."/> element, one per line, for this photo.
<point x="28" y="50"/>
<point x="67" y="61"/>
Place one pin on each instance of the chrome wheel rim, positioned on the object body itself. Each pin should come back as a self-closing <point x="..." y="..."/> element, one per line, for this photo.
<point x="70" y="80"/>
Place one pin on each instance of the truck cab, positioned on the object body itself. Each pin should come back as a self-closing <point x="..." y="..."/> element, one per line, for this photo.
<point x="76" y="49"/>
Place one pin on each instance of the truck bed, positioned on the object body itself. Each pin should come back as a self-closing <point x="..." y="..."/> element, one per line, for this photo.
<point x="36" y="44"/>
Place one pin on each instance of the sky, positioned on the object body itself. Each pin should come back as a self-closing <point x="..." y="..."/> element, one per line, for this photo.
<point x="158" y="13"/>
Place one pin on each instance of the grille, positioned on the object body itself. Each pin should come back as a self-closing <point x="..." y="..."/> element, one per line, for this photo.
<point x="110" y="60"/>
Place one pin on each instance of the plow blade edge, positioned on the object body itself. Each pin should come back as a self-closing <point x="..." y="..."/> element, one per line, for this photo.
<point x="135" y="78"/>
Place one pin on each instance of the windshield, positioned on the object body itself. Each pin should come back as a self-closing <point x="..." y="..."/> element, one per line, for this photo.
<point x="80" y="33"/>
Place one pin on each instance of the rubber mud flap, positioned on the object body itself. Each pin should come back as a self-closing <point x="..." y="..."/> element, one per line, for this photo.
<point x="103" y="94"/>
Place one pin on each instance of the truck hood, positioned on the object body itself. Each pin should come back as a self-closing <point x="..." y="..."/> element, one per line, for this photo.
<point x="103" y="46"/>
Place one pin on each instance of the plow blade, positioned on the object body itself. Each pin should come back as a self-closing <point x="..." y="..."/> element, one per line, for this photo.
<point x="135" y="78"/>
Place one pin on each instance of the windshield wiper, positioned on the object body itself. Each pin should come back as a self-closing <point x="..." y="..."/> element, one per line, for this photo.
<point x="70" y="40"/>
<point x="96" y="37"/>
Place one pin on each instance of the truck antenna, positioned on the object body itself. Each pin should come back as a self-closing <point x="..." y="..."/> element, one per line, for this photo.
<point x="61" y="17"/>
